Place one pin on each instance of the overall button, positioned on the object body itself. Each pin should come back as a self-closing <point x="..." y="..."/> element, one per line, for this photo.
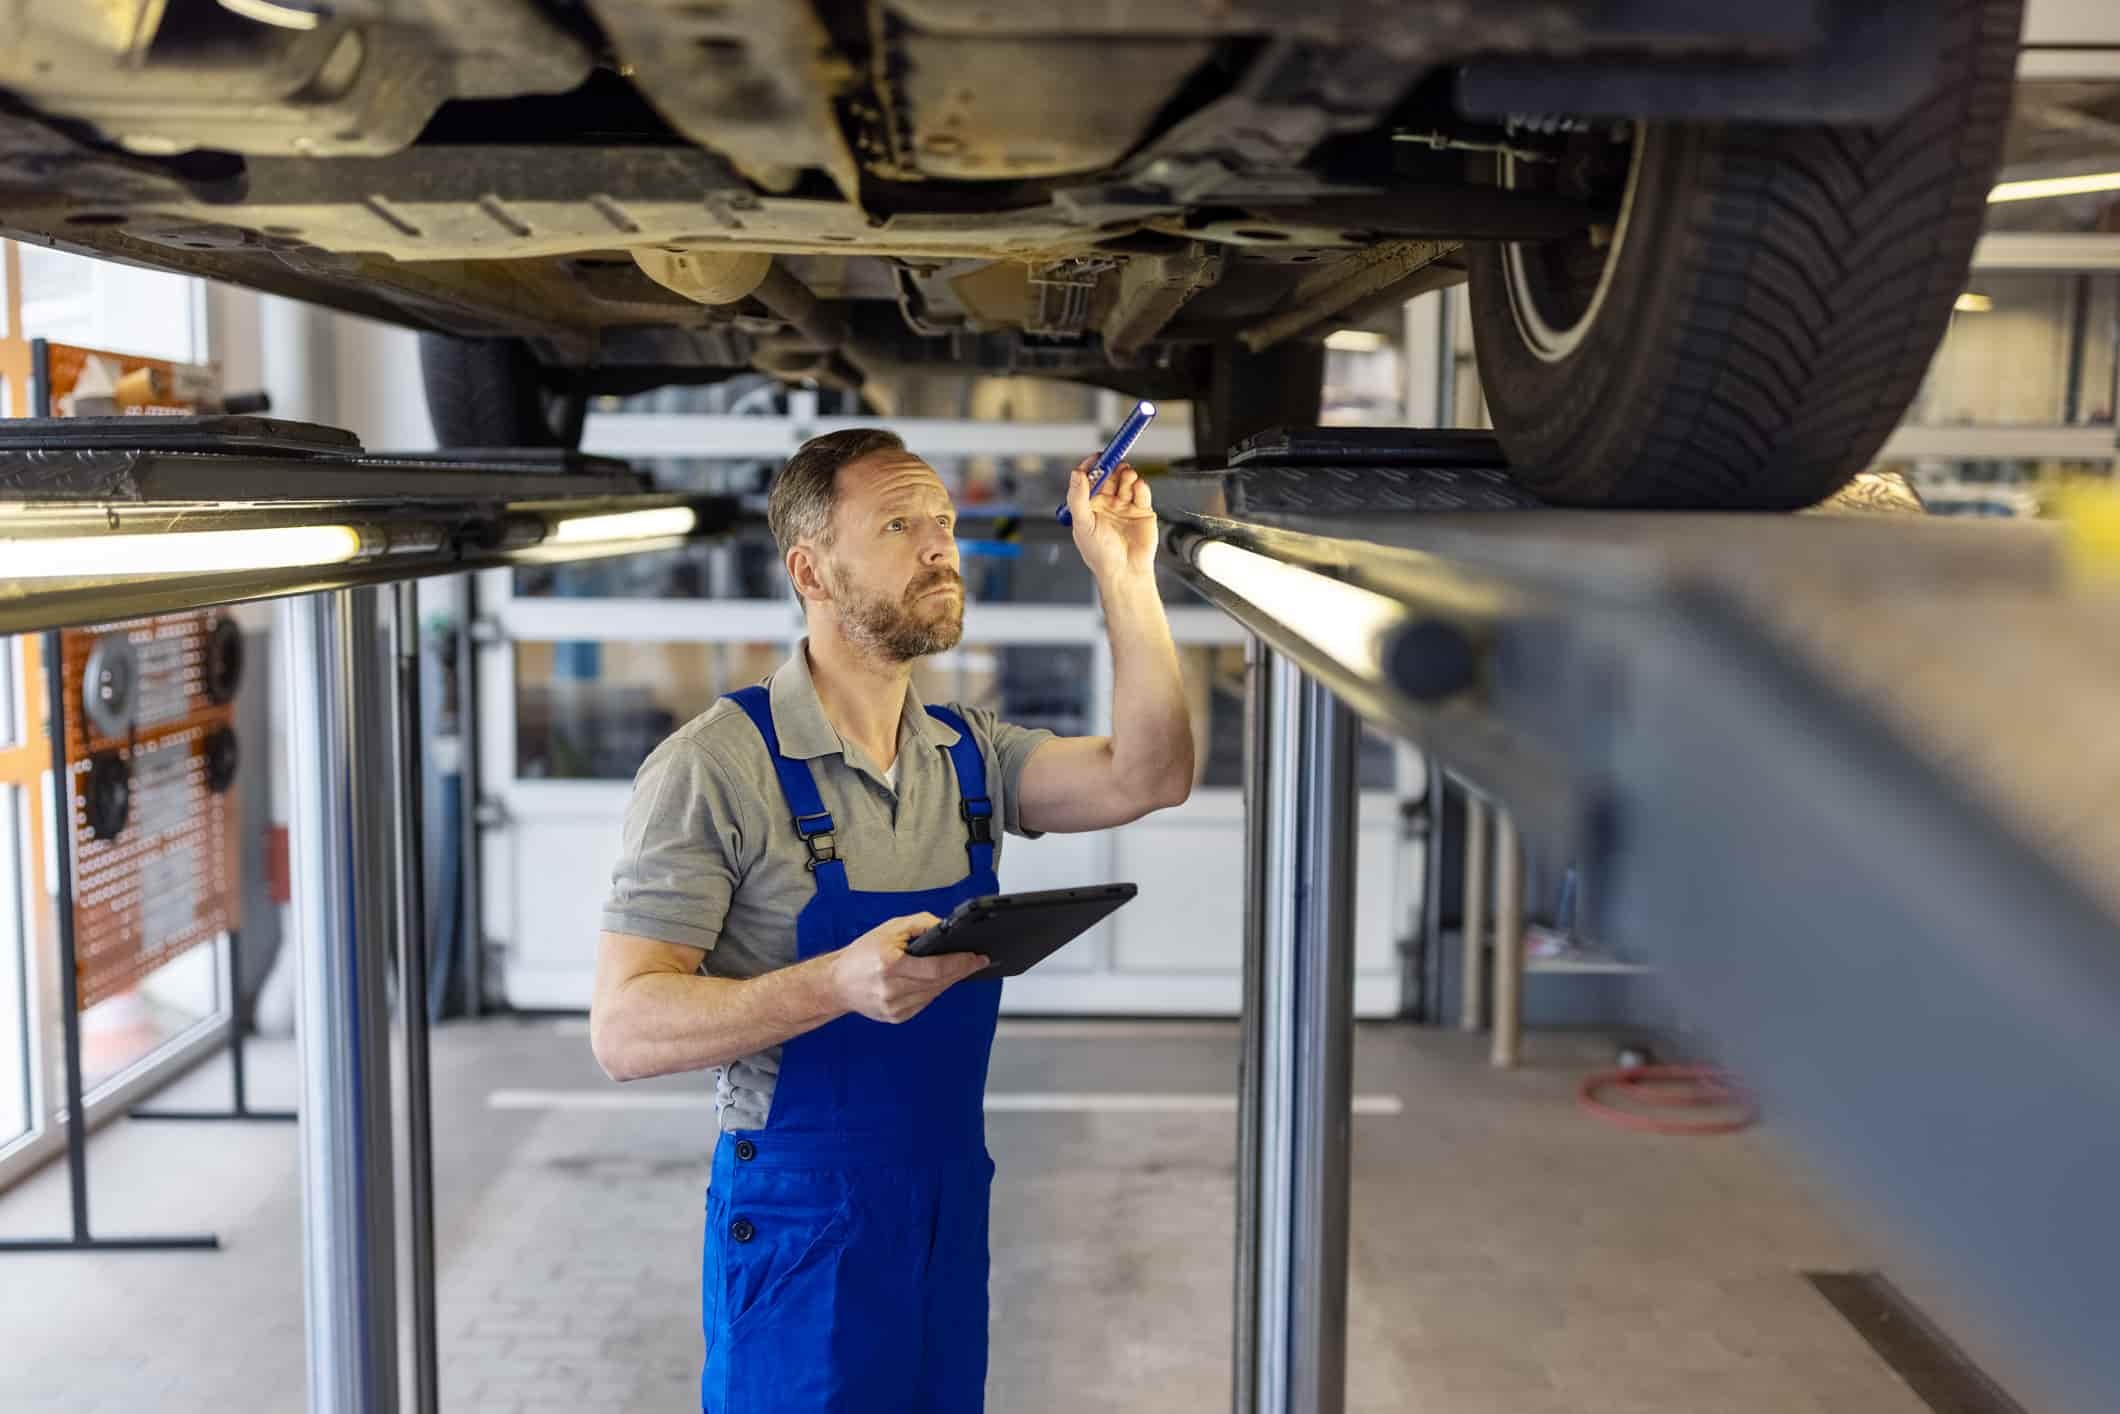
<point x="746" y="1150"/>
<point x="742" y="1230"/>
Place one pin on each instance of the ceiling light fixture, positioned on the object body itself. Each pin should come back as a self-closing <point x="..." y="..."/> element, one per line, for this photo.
<point x="1971" y="303"/>
<point x="2036" y="187"/>
<point x="1355" y="340"/>
<point x="269" y="12"/>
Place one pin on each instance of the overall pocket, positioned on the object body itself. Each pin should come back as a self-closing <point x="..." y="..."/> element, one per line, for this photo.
<point x="779" y="1234"/>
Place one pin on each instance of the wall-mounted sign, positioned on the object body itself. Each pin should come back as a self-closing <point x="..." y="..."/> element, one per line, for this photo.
<point x="151" y="747"/>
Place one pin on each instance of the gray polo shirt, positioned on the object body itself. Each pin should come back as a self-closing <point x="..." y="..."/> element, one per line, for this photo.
<point x="711" y="859"/>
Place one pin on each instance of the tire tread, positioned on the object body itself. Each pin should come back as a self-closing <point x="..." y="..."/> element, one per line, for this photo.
<point x="1823" y="262"/>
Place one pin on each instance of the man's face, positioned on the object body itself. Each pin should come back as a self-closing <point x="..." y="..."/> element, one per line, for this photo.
<point x="892" y="563"/>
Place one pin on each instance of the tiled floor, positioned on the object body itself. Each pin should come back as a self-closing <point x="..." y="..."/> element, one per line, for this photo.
<point x="1510" y="1254"/>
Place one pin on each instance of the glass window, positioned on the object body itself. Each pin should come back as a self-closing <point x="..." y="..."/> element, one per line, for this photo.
<point x="2059" y="127"/>
<point x="15" y="871"/>
<point x="1032" y="684"/>
<point x="1001" y="565"/>
<point x="100" y="304"/>
<point x="2023" y="347"/>
<point x="1012" y="550"/>
<point x="593" y="711"/>
<point x="1365" y="382"/>
<point x="1214" y="691"/>
<point x="10" y="701"/>
<point x="121" y="1032"/>
<point x="745" y="566"/>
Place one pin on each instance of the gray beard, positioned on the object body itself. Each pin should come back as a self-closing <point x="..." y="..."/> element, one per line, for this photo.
<point x="893" y="630"/>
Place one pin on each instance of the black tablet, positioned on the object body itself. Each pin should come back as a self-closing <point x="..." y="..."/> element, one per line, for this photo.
<point x="1019" y="931"/>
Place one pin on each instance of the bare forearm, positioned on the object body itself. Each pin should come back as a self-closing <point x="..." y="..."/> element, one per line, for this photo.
<point x="666" y="1023"/>
<point x="1151" y="737"/>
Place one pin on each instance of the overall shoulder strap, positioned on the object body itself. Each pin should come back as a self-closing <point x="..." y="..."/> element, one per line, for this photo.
<point x="812" y="821"/>
<point x="973" y="804"/>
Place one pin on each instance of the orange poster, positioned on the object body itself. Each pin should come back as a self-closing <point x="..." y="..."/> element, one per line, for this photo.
<point x="78" y="382"/>
<point x="151" y="753"/>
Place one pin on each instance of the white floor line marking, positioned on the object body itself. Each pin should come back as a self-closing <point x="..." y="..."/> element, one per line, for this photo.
<point x="1030" y="1029"/>
<point x="599" y="1100"/>
<point x="997" y="1102"/>
<point x="1036" y="1029"/>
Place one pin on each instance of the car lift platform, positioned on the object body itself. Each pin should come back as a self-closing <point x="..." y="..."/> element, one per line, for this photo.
<point x="1851" y="782"/>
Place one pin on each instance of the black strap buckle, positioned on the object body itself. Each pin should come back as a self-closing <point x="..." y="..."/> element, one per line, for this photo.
<point x="978" y="813"/>
<point x="817" y="838"/>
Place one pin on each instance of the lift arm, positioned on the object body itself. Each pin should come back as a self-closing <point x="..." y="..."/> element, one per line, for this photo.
<point x="1848" y="782"/>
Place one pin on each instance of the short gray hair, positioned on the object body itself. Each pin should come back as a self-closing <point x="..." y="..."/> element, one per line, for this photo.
<point x="799" y="505"/>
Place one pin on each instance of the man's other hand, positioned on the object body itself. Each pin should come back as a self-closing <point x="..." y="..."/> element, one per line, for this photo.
<point x="875" y="976"/>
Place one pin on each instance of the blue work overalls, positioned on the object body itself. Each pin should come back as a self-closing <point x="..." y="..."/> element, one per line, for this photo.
<point x="846" y="1241"/>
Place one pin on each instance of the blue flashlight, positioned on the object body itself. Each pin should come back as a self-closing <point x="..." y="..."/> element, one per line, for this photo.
<point x="1114" y="452"/>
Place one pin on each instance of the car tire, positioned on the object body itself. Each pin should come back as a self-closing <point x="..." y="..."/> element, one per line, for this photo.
<point x="1243" y="392"/>
<point x="485" y="393"/>
<point x="1767" y="305"/>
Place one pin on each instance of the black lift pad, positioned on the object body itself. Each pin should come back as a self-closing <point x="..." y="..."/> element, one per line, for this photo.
<point x="1363" y="470"/>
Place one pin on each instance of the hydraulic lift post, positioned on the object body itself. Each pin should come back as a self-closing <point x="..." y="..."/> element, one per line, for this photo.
<point x="342" y="853"/>
<point x="414" y="945"/>
<point x="1297" y="1075"/>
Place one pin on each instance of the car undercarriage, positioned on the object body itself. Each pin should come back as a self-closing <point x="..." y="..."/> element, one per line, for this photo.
<point x="1178" y="200"/>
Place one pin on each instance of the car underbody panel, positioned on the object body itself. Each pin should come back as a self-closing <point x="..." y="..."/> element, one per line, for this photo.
<point x="1079" y="187"/>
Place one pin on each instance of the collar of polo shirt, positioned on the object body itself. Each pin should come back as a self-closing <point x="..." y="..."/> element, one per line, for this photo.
<point x="805" y="732"/>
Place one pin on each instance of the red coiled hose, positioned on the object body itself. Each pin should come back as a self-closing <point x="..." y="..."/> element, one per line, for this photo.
<point x="1668" y="1087"/>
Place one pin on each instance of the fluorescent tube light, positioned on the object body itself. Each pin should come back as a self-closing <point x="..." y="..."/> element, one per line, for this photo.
<point x="1354" y="340"/>
<point x="122" y="556"/>
<point x="2034" y="188"/>
<point x="1347" y="623"/>
<point x="265" y="12"/>
<point x="624" y="525"/>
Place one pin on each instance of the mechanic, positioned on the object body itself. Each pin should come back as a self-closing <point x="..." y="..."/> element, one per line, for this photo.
<point x="780" y="851"/>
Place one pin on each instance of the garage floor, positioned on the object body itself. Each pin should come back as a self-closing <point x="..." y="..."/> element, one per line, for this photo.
<point x="1510" y="1254"/>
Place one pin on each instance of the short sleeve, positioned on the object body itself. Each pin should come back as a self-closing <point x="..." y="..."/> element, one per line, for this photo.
<point x="683" y="848"/>
<point x="1009" y="746"/>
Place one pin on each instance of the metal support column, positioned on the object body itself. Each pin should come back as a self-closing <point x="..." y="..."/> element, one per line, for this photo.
<point x="1508" y="939"/>
<point x="1293" y="1176"/>
<point x="1474" y="951"/>
<point x="341" y="851"/>
<point x="471" y="924"/>
<point x="1251" y="1021"/>
<point x="1427" y="976"/>
<point x="413" y="949"/>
